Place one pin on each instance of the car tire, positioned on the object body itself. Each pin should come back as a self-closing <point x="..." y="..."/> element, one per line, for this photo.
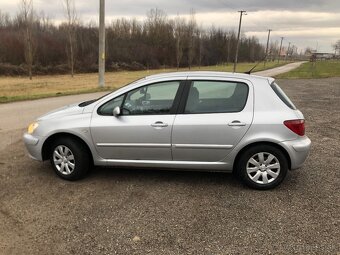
<point x="262" y="167"/>
<point x="70" y="159"/>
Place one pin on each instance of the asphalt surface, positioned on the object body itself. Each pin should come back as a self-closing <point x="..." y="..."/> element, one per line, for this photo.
<point x="281" y="69"/>
<point x="18" y="115"/>
<point x="133" y="211"/>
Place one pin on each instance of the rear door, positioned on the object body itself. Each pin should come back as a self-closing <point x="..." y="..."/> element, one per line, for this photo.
<point x="215" y="115"/>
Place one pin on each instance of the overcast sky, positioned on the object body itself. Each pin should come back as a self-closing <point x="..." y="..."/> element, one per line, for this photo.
<point x="313" y="23"/>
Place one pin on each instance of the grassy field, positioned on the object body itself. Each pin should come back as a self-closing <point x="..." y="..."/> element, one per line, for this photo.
<point x="21" y="88"/>
<point x="320" y="69"/>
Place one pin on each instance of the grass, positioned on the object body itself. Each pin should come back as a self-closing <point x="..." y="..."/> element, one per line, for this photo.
<point x="21" y="88"/>
<point x="319" y="69"/>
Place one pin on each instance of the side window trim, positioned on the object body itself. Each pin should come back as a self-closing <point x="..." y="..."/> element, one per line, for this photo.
<point x="179" y="95"/>
<point x="184" y="98"/>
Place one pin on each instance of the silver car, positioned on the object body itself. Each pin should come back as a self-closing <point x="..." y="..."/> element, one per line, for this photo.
<point x="211" y="121"/>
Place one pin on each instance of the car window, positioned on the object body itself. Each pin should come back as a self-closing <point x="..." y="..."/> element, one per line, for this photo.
<point x="216" y="97"/>
<point x="107" y="108"/>
<point x="282" y="95"/>
<point x="157" y="98"/>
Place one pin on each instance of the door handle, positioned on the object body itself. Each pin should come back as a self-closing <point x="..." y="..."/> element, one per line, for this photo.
<point x="236" y="123"/>
<point x="159" y="124"/>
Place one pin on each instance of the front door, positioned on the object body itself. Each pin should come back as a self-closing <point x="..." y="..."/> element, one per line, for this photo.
<point x="215" y="117"/>
<point x="143" y="130"/>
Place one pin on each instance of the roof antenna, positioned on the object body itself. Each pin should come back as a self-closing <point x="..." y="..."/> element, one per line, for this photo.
<point x="249" y="72"/>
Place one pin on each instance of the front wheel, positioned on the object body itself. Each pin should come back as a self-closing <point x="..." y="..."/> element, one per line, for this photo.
<point x="262" y="167"/>
<point x="69" y="159"/>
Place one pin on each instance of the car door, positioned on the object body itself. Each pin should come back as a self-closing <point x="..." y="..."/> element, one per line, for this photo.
<point x="143" y="129"/>
<point x="214" y="116"/>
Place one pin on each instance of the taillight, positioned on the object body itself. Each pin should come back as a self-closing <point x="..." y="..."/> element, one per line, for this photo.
<point x="297" y="126"/>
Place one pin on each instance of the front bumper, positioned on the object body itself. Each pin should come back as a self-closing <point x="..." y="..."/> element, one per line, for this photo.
<point x="33" y="145"/>
<point x="298" y="151"/>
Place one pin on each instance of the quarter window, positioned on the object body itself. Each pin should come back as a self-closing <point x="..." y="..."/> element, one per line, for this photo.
<point x="107" y="108"/>
<point x="279" y="92"/>
<point x="216" y="97"/>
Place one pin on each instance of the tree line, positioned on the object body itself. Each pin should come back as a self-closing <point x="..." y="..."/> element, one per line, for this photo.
<point x="31" y="43"/>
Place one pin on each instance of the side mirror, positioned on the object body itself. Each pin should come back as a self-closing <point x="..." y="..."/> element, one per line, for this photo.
<point x="116" y="111"/>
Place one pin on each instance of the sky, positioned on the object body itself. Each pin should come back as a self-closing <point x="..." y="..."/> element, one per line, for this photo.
<point x="304" y="23"/>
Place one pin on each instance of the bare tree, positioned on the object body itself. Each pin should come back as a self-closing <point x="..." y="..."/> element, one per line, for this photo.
<point x="4" y="19"/>
<point x="178" y="34"/>
<point x="199" y="35"/>
<point x="228" y="49"/>
<point x="133" y="45"/>
<point x="26" y="14"/>
<point x="72" y="22"/>
<point x="191" y="37"/>
<point x="230" y="38"/>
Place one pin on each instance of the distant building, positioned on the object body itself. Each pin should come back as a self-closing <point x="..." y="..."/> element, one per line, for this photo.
<point x="322" y="56"/>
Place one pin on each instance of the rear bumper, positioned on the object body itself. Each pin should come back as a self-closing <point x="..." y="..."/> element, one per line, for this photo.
<point x="33" y="145"/>
<point x="298" y="151"/>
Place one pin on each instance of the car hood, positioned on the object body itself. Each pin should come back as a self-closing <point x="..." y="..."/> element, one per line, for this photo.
<point x="63" y="111"/>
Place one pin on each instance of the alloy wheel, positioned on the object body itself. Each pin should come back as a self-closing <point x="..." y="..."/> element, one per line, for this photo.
<point x="63" y="160"/>
<point x="263" y="168"/>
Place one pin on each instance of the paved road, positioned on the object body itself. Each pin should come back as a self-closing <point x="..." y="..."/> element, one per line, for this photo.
<point x="18" y="115"/>
<point x="131" y="211"/>
<point x="280" y="70"/>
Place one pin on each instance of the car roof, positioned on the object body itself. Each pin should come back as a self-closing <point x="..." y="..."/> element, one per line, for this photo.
<point x="209" y="74"/>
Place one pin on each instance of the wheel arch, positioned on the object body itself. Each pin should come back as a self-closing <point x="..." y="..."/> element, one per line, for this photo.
<point x="49" y="141"/>
<point x="282" y="149"/>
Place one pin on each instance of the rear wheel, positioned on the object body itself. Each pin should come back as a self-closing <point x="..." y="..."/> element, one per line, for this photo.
<point x="262" y="167"/>
<point x="69" y="158"/>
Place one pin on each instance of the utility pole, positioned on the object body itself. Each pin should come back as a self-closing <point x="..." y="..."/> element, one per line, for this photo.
<point x="288" y="50"/>
<point x="278" y="59"/>
<point x="238" y="37"/>
<point x="101" y="59"/>
<point x="265" y="59"/>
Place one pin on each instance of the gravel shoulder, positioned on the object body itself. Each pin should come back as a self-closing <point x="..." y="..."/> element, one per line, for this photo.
<point x="131" y="211"/>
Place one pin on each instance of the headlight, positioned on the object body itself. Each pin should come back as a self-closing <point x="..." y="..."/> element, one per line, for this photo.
<point x="32" y="127"/>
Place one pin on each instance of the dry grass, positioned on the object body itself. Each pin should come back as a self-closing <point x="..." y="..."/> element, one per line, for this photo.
<point x="21" y="88"/>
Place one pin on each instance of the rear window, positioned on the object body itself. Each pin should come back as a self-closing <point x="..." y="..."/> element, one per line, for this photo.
<point x="279" y="92"/>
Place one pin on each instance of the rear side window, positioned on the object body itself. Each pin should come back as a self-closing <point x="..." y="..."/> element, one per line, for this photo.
<point x="216" y="97"/>
<point x="279" y="92"/>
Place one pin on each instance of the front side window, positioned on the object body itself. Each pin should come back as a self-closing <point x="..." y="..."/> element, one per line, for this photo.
<point x="216" y="97"/>
<point x="157" y="98"/>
